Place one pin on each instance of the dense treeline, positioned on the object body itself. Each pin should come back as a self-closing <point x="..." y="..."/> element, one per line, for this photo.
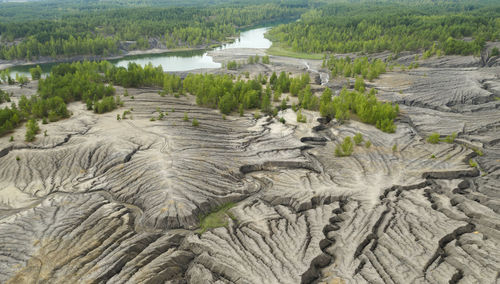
<point x="371" y="27"/>
<point x="361" y="66"/>
<point x="101" y="32"/>
<point x="220" y="91"/>
<point x="363" y="104"/>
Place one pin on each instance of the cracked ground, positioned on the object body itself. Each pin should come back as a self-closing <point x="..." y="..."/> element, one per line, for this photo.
<point x="106" y="201"/>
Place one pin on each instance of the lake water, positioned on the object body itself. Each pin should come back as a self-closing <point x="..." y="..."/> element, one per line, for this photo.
<point x="176" y="61"/>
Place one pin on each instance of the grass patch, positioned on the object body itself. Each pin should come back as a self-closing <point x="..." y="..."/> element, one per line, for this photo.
<point x="218" y="218"/>
<point x="278" y="50"/>
<point x="472" y="163"/>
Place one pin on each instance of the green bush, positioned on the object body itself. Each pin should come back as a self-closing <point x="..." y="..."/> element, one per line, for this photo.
<point x="358" y="138"/>
<point x="472" y="163"/>
<point x="300" y="117"/>
<point x="495" y="51"/>
<point x="195" y="122"/>
<point x="450" y="138"/>
<point x="345" y="148"/>
<point x="36" y="73"/>
<point x="433" y="138"/>
<point x="368" y="144"/>
<point x="32" y="130"/>
<point x="256" y="114"/>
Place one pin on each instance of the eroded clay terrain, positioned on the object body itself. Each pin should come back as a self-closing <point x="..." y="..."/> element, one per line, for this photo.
<point x="100" y="200"/>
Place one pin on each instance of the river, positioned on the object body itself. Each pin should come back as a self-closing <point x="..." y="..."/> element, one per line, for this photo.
<point x="175" y="61"/>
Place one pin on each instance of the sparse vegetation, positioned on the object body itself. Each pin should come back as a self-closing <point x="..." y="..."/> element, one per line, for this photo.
<point x="495" y="51"/>
<point x="472" y="163"/>
<point x="450" y="138"/>
<point x="433" y="138"/>
<point x="300" y="117"/>
<point x="32" y="130"/>
<point x="265" y="59"/>
<point x="195" y="122"/>
<point x="256" y="114"/>
<point x="358" y="138"/>
<point x="218" y="218"/>
<point x="345" y="148"/>
<point x="368" y="144"/>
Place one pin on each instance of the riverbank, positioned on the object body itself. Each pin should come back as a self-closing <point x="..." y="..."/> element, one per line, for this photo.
<point x="5" y="64"/>
<point x="278" y="50"/>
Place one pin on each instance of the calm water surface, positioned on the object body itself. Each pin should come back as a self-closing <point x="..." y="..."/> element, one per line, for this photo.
<point x="176" y="61"/>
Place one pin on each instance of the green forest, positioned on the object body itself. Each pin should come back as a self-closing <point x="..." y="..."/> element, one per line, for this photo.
<point x="95" y="28"/>
<point x="102" y="32"/>
<point x="456" y="27"/>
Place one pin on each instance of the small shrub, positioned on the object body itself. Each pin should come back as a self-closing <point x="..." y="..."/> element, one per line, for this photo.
<point x="224" y="117"/>
<point x="186" y="118"/>
<point x="45" y="133"/>
<point x="241" y="110"/>
<point x="256" y="115"/>
<point x="368" y="144"/>
<point x="17" y="158"/>
<point x="32" y="129"/>
<point x="125" y="113"/>
<point x="450" y="138"/>
<point x="152" y="119"/>
<point x="195" y="122"/>
<point x="477" y="151"/>
<point x="472" y="163"/>
<point x="275" y="112"/>
<point x="283" y="104"/>
<point x="433" y="156"/>
<point x="282" y="120"/>
<point x="395" y="148"/>
<point x="300" y="117"/>
<point x="358" y="139"/>
<point x="118" y="117"/>
<point x="495" y="51"/>
<point x="433" y="138"/>
<point x="345" y="148"/>
<point x="11" y="138"/>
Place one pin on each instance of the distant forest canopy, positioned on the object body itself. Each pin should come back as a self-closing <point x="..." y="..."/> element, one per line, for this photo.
<point x="447" y="27"/>
<point x="89" y="31"/>
<point x="64" y="28"/>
